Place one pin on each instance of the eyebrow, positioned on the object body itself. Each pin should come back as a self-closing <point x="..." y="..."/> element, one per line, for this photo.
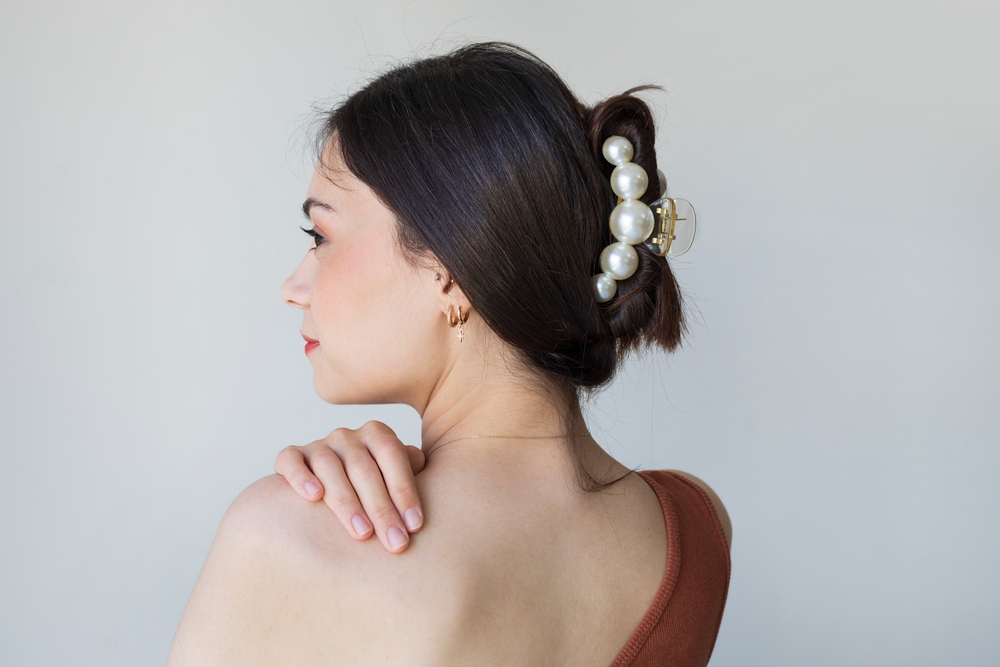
<point x="309" y="203"/>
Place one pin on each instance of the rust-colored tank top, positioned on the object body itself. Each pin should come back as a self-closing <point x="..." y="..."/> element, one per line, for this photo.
<point x="680" y="627"/>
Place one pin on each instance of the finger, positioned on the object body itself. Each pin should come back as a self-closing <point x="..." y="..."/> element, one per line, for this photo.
<point x="397" y="463"/>
<point x="340" y="496"/>
<point x="417" y="458"/>
<point x="365" y="477"/>
<point x="291" y="464"/>
<point x="394" y="461"/>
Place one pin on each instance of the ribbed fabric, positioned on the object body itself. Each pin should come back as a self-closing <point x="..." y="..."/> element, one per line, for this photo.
<point x="680" y="627"/>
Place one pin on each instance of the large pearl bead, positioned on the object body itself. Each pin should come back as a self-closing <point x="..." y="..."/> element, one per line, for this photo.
<point x="663" y="183"/>
<point x="629" y="180"/>
<point x="617" y="150"/>
<point x="632" y="222"/>
<point x="604" y="287"/>
<point x="619" y="260"/>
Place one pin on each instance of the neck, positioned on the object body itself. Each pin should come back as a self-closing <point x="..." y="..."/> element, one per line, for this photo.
<point x="497" y="402"/>
<point x="483" y="393"/>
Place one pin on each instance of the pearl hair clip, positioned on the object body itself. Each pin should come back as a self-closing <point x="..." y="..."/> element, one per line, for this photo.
<point x="633" y="222"/>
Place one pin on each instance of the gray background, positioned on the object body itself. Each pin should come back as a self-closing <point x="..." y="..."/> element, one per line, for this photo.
<point x="838" y="387"/>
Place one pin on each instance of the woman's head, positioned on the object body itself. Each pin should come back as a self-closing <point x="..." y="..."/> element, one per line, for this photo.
<point x="372" y="310"/>
<point x="482" y="166"/>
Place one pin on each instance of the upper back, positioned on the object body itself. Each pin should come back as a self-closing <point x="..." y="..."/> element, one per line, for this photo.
<point x="508" y="569"/>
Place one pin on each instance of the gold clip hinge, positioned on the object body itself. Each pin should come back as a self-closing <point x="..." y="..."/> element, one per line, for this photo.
<point x="665" y="231"/>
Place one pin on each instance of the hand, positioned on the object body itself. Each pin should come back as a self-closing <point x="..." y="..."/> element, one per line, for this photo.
<point x="361" y="473"/>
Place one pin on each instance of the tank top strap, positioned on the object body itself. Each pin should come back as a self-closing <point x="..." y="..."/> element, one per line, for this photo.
<point x="681" y="625"/>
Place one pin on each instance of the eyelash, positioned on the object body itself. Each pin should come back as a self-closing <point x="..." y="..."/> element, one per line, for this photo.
<point x="318" y="239"/>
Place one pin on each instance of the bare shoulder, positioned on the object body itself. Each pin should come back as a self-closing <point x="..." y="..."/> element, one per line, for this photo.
<point x="240" y="585"/>
<point x="281" y="575"/>
<point x="720" y="509"/>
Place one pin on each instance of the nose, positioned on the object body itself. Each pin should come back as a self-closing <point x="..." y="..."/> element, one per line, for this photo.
<point x="297" y="288"/>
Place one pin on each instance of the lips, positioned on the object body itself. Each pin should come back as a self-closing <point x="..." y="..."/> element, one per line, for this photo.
<point x="311" y="343"/>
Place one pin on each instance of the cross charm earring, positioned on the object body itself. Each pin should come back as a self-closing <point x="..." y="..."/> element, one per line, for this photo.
<point x="457" y="321"/>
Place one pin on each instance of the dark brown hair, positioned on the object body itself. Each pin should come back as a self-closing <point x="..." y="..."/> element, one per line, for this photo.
<point x="493" y="166"/>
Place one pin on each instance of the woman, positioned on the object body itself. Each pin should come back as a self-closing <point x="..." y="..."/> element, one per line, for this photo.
<point x="459" y="209"/>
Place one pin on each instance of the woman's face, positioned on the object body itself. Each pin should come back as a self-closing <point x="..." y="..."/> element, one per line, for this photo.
<point x="381" y="331"/>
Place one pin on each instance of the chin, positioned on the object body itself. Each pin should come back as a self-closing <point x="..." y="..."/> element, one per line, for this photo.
<point x="334" y="394"/>
<point x="343" y="391"/>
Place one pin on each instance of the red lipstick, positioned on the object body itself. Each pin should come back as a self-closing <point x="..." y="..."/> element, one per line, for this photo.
<point x="311" y="344"/>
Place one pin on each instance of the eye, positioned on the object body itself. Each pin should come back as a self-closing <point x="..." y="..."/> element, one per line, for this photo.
<point x="318" y="239"/>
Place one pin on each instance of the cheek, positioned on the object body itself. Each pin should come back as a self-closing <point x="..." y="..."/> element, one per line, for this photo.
<point x="373" y="317"/>
<point x="344" y="286"/>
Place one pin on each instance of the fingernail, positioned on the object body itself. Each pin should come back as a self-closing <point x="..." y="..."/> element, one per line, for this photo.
<point x="397" y="538"/>
<point x="311" y="488"/>
<point x="413" y="519"/>
<point x="361" y="525"/>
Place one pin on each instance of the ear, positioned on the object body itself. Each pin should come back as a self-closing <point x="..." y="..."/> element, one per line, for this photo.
<point x="444" y="290"/>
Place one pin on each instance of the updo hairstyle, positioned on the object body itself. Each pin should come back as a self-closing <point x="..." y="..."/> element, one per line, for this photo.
<point x="493" y="166"/>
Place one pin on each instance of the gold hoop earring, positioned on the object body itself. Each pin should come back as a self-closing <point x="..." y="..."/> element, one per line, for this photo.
<point x="458" y="320"/>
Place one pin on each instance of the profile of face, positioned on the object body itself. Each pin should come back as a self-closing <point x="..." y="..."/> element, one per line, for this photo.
<point x="377" y="316"/>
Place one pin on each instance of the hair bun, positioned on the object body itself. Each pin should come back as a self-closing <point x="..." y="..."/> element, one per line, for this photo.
<point x="647" y="308"/>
